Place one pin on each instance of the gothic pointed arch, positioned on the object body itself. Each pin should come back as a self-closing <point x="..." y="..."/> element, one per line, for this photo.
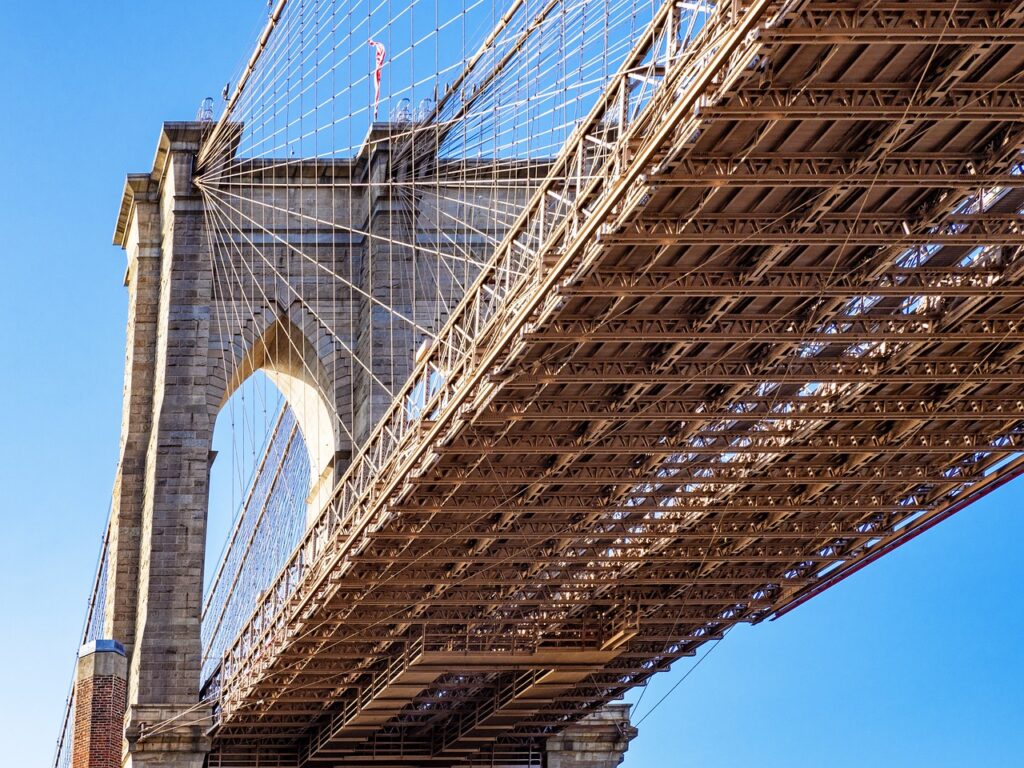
<point x="298" y="356"/>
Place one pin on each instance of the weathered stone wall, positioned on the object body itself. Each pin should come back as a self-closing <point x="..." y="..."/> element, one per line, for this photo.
<point x="599" y="740"/>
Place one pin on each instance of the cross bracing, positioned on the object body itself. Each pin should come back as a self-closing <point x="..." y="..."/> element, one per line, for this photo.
<point x="723" y="302"/>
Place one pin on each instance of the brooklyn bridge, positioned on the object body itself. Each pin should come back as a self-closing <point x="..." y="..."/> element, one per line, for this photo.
<point x="583" y="331"/>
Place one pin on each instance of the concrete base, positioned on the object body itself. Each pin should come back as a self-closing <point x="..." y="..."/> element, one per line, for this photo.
<point x="599" y="740"/>
<point x="166" y="736"/>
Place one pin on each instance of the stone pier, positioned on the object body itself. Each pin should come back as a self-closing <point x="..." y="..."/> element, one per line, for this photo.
<point x="599" y="740"/>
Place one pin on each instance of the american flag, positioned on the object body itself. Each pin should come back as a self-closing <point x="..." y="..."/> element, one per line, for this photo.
<point x="381" y="56"/>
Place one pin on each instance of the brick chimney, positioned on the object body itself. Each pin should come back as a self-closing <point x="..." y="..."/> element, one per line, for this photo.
<point x="100" y="699"/>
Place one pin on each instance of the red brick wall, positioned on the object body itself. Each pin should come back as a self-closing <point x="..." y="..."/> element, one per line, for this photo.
<point x="99" y="722"/>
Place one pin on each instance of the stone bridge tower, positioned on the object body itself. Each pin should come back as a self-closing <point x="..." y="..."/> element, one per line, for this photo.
<point x="200" y="321"/>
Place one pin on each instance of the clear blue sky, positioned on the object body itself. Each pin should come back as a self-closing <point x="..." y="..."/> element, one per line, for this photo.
<point x="915" y="662"/>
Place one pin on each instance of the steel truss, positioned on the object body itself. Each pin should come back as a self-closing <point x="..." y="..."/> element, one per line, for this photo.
<point x="760" y="325"/>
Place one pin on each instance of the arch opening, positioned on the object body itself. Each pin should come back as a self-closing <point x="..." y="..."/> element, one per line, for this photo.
<point x="273" y="462"/>
<point x="290" y="361"/>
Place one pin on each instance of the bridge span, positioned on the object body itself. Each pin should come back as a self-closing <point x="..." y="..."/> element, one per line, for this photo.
<point x="751" y="323"/>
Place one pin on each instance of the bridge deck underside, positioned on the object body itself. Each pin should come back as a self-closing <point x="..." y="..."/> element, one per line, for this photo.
<point x="704" y="424"/>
